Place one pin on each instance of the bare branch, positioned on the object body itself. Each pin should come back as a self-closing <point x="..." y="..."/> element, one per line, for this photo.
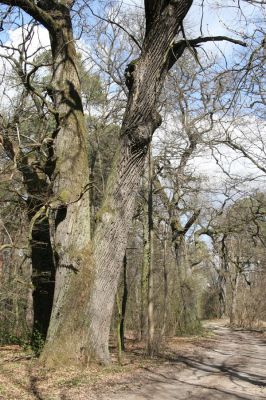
<point x="110" y="21"/>
<point x="35" y="11"/>
<point x="240" y="148"/>
<point x="191" y="221"/>
<point x="179" y="47"/>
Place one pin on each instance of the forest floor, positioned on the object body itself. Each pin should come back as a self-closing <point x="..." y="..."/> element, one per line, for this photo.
<point x="222" y="364"/>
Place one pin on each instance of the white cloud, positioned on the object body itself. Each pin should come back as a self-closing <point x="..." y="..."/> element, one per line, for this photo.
<point x="37" y="42"/>
<point x="219" y="162"/>
<point x="221" y="17"/>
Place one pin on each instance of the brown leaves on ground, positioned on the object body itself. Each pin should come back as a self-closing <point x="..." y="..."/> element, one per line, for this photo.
<point x="21" y="377"/>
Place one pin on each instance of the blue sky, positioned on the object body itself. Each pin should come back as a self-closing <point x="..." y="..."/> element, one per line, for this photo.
<point x="216" y="21"/>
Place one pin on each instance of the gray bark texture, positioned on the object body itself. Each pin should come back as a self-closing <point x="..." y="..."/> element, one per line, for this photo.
<point x="88" y="271"/>
<point x="140" y="121"/>
<point x="69" y="207"/>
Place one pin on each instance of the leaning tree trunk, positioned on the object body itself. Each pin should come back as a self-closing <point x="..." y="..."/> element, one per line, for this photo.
<point x="87" y="275"/>
<point x="87" y="272"/>
<point x="145" y="81"/>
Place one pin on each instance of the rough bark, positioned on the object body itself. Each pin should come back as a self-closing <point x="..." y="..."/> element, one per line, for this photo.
<point x="65" y="241"/>
<point x="69" y="209"/>
<point x="140" y="121"/>
<point x="87" y="273"/>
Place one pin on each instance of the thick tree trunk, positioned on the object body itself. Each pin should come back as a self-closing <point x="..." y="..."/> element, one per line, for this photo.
<point x="87" y="275"/>
<point x="69" y="208"/>
<point x="79" y="329"/>
<point x="112" y="228"/>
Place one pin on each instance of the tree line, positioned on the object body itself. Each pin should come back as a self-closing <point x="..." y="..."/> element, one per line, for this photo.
<point x="101" y="225"/>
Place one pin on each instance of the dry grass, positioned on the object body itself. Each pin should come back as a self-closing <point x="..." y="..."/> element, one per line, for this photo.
<point x="21" y="377"/>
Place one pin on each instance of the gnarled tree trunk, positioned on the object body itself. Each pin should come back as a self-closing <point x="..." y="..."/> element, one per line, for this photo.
<point x="85" y="290"/>
<point x="87" y="272"/>
<point x="69" y="208"/>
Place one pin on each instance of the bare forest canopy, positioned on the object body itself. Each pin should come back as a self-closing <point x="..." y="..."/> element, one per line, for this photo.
<point x="132" y="162"/>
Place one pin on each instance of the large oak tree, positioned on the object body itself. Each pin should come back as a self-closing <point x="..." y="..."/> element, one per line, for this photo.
<point x="88" y="269"/>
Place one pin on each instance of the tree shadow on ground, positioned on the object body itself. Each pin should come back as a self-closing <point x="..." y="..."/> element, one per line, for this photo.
<point x="215" y="392"/>
<point x="16" y="381"/>
<point x="33" y="386"/>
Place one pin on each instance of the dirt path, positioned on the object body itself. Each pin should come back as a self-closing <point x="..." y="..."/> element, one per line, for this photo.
<point x="233" y="368"/>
